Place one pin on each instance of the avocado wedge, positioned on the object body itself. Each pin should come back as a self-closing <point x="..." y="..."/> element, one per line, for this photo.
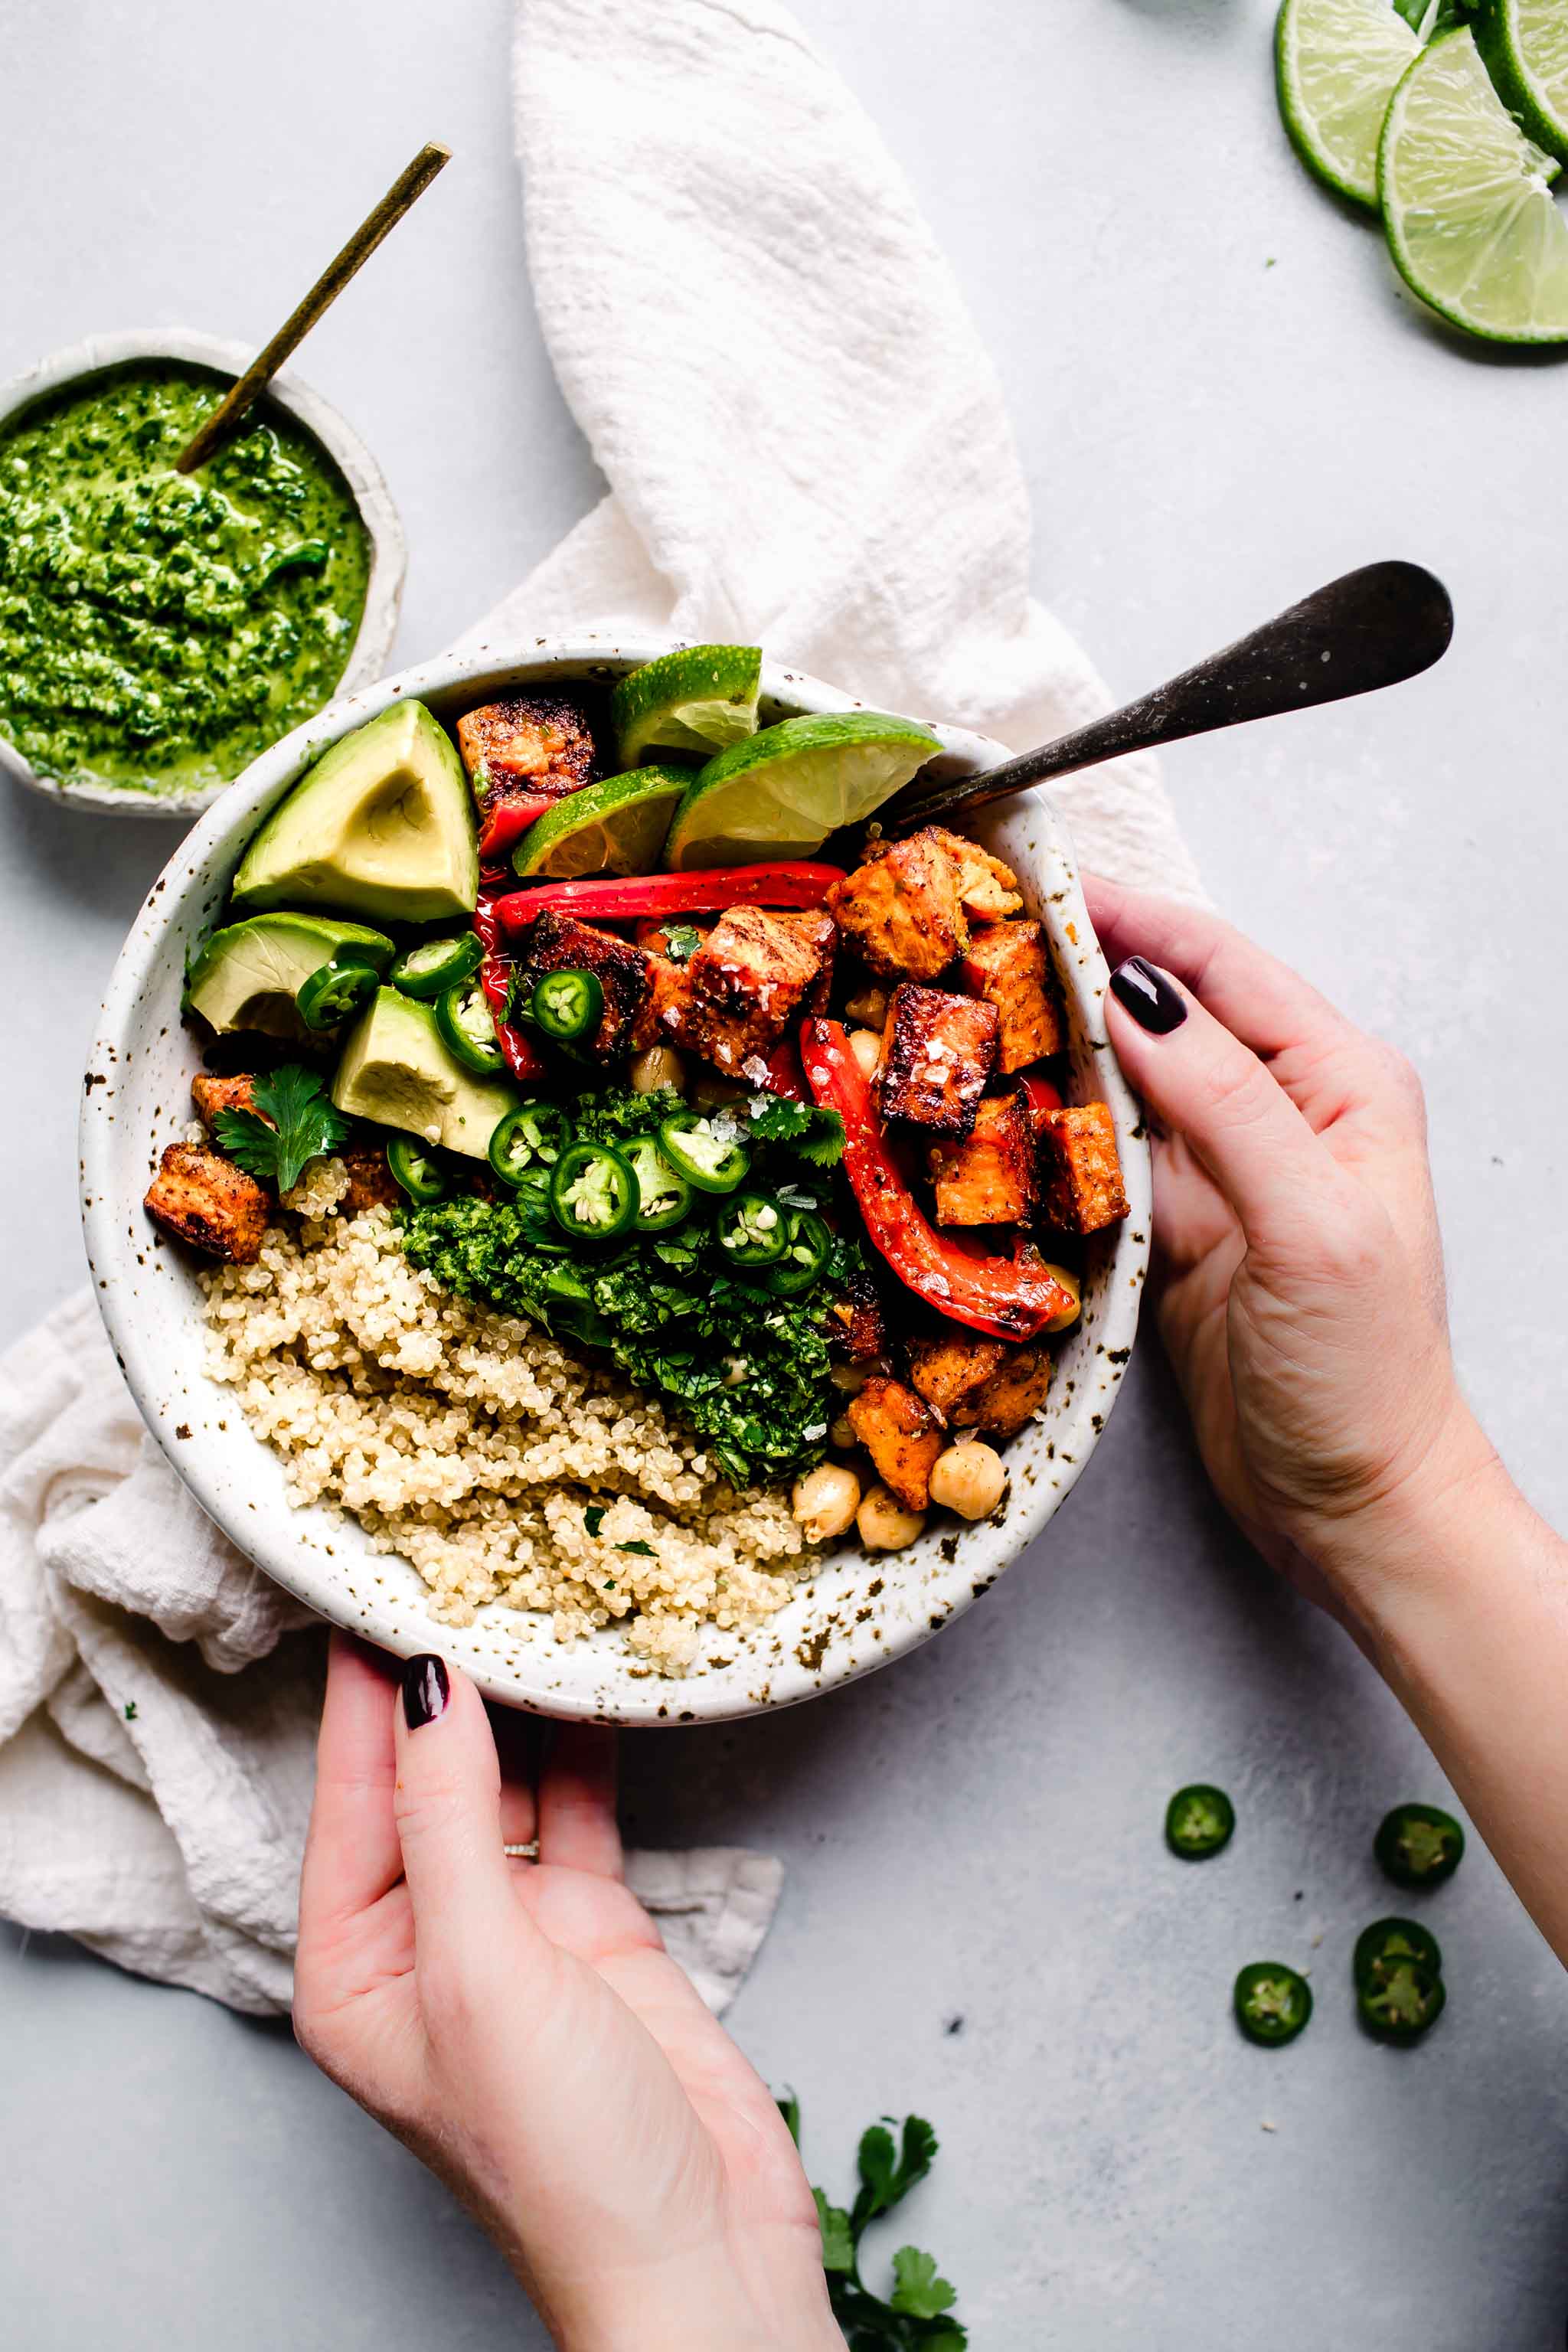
<point x="381" y="826"/>
<point x="396" y="1070"/>
<point x="249" y="974"/>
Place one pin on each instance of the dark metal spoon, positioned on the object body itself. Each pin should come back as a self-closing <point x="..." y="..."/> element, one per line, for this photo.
<point x="1373" y="627"/>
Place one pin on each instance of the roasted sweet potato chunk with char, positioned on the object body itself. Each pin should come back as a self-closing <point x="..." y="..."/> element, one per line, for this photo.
<point x="202" y="1198"/>
<point x="938" y="1050"/>
<point x="1014" y="1393"/>
<point x="987" y="1178"/>
<point x="557" y="942"/>
<point x="986" y="889"/>
<point x="862" y="1335"/>
<point x="371" y="1184"/>
<point x="1008" y="967"/>
<point x="212" y="1094"/>
<point x="1081" y="1169"/>
<point x="901" y="910"/>
<point x="752" y="975"/>
<point x="977" y="1384"/>
<point x="529" y="744"/>
<point x="902" y="1435"/>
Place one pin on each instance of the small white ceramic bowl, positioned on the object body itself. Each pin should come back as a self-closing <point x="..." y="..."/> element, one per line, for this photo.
<point x="854" y="1612"/>
<point x="388" y="555"/>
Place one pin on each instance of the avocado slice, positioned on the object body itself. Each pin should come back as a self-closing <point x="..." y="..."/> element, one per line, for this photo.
<point x="396" y="1070"/>
<point x="248" y="975"/>
<point x="380" y="826"/>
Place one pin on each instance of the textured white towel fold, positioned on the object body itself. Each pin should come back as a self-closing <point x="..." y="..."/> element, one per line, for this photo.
<point x="806" y="446"/>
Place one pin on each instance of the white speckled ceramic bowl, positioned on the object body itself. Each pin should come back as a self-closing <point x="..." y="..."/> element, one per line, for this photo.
<point x="388" y="555"/>
<point x="854" y="1612"/>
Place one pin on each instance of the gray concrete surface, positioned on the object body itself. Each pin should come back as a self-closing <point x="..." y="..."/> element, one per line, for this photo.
<point x="1223" y="398"/>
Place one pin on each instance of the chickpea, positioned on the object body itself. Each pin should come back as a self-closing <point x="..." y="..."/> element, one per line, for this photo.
<point x="867" y="1048"/>
<point x="968" y="1478"/>
<point x="1069" y="1283"/>
<point x="884" y="1524"/>
<point x="842" y="1434"/>
<point x="869" y="1007"/>
<point x="850" y="1377"/>
<point x="661" y="1065"/>
<point x="824" y="1501"/>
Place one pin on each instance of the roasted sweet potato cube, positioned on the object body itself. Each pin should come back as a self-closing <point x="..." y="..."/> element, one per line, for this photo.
<point x="556" y="942"/>
<point x="752" y="974"/>
<point x="987" y="1178"/>
<point x="862" y="1332"/>
<point x="938" y="1050"/>
<point x="530" y="742"/>
<point x="1015" y="1393"/>
<point x="1081" y="1169"/>
<point x="665" y="1015"/>
<point x="205" y="1200"/>
<point x="371" y="1184"/>
<point x="1007" y="966"/>
<point x="986" y="889"/>
<point x="949" y="1369"/>
<point x="901" y="910"/>
<point x="902" y="1435"/>
<point x="212" y="1094"/>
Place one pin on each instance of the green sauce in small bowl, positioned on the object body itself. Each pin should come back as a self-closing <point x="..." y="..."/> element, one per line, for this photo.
<point x="158" y="630"/>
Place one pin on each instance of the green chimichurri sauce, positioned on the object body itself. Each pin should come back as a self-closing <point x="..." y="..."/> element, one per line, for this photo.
<point x="158" y="630"/>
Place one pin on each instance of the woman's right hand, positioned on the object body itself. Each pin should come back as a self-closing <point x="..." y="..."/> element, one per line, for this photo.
<point x="1299" y="1272"/>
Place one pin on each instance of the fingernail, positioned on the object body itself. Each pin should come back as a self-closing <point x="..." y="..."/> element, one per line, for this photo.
<point x="1148" y="995"/>
<point x="426" y="1690"/>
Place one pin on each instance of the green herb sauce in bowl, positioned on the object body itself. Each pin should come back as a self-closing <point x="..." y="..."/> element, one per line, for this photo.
<point x="159" y="630"/>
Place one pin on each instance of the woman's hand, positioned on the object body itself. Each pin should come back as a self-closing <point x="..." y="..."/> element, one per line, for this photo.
<point x="522" y="2028"/>
<point x="1299" y="1271"/>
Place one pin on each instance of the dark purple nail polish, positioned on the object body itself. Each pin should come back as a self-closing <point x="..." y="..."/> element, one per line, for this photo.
<point x="426" y="1690"/>
<point x="1148" y="995"/>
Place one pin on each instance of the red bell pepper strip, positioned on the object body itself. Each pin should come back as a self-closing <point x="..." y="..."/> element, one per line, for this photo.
<point x="711" y="890"/>
<point x="785" y="1074"/>
<point x="506" y="821"/>
<point x="1007" y="1298"/>
<point x="523" y="1058"/>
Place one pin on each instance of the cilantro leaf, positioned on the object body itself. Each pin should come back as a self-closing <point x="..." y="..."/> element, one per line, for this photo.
<point x="682" y="942"/>
<point x="888" y="2177"/>
<point x="917" y="2289"/>
<point x="808" y="1128"/>
<point x="647" y="1550"/>
<point x="837" y="2245"/>
<point x="789" y="2107"/>
<point x="594" y="1518"/>
<point x="292" y="1121"/>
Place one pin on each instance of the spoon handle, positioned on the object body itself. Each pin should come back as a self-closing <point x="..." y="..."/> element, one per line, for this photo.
<point x="1372" y="628"/>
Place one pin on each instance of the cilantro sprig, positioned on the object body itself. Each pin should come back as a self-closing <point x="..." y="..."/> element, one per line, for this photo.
<point x="292" y="1121"/>
<point x="918" y="2311"/>
<point x="811" y="1129"/>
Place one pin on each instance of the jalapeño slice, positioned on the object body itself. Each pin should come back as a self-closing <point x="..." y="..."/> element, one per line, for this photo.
<point x="418" y="1172"/>
<point x="529" y="1139"/>
<point x="335" y="992"/>
<point x="808" y="1244"/>
<point x="1419" y="1845"/>
<point x="430" y="971"/>
<point x="1273" y="2002"/>
<point x="751" y="1230"/>
<point x="714" y="1158"/>
<point x="1387" y="1944"/>
<point x="1199" y="1821"/>
<point x="664" y="1196"/>
<point x="594" y="1191"/>
<point x="1405" y="2005"/>
<point x="468" y="1030"/>
<point x="567" y="1006"/>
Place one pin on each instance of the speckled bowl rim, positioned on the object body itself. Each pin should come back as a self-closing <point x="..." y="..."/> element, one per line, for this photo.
<point x="388" y="550"/>
<point x="855" y="1612"/>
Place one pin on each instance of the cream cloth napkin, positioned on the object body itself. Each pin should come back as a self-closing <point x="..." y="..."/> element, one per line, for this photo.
<point x="806" y="445"/>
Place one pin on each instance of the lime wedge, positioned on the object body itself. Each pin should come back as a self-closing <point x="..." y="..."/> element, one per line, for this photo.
<point x="1466" y="201"/>
<point x="1525" y="43"/>
<point x="782" y="792"/>
<point x="1338" y="63"/>
<point x="698" y="699"/>
<point x="614" y="827"/>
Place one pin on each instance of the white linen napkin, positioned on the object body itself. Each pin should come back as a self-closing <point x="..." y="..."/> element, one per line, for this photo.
<point x="805" y="446"/>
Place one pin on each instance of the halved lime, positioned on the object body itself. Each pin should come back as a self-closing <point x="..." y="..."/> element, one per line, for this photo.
<point x="1525" y="43"/>
<point x="617" y="826"/>
<point x="698" y="699"/>
<point x="1338" y="63"/>
<point x="1466" y="201"/>
<point x="782" y="792"/>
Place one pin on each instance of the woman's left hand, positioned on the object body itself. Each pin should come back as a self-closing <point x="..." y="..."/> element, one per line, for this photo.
<point x="520" y="2026"/>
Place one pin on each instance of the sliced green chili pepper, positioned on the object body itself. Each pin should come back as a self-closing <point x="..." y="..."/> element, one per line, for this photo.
<point x="1405" y="2005"/>
<point x="594" y="1191"/>
<point x="430" y="971"/>
<point x="664" y="1196"/>
<point x="567" y="1006"/>
<point x="468" y="1030"/>
<point x="531" y="1137"/>
<point x="1419" y="1845"/>
<point x="418" y="1172"/>
<point x="1199" y="1821"/>
<point x="753" y="1231"/>
<point x="808" y="1244"/>
<point x="335" y="992"/>
<point x="710" y="1155"/>
<point x="1273" y="2002"/>
<point x="1387" y="1944"/>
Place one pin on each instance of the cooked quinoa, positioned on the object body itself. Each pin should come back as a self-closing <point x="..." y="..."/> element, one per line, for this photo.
<point x="473" y="1445"/>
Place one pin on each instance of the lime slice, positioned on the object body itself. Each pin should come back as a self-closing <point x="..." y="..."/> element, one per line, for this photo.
<point x="1338" y="62"/>
<point x="1466" y="201"/>
<point x="698" y="699"/>
<point x="614" y="827"/>
<point x="1525" y="43"/>
<point x="782" y="792"/>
